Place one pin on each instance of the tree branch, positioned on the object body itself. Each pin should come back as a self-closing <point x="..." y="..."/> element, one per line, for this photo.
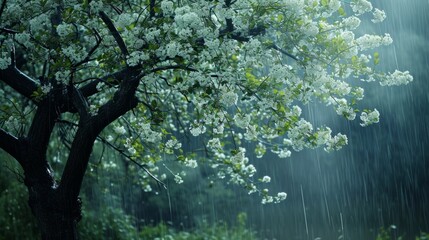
<point x="79" y="102"/>
<point x="123" y="101"/>
<point x="20" y="82"/>
<point x="42" y="126"/>
<point x="183" y="67"/>
<point x="275" y="47"/>
<point x="10" y="144"/>
<point x="114" y="33"/>
<point x="91" y="88"/>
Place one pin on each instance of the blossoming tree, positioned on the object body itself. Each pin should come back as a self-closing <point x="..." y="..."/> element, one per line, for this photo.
<point x="139" y="75"/>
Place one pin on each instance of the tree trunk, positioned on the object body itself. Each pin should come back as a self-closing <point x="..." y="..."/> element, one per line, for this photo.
<point x="57" y="216"/>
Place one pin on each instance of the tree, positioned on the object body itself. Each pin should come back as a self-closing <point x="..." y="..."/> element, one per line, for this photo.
<point x="141" y="77"/>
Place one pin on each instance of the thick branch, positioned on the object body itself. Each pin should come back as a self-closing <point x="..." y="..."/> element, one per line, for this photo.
<point x="36" y="167"/>
<point x="123" y="101"/>
<point x="91" y="88"/>
<point x="20" y="82"/>
<point x="10" y="144"/>
<point x="79" y="102"/>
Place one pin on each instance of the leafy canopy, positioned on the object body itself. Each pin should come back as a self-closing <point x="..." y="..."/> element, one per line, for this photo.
<point x="227" y="72"/>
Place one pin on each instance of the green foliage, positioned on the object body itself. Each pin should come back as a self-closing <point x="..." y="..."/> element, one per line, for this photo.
<point x="390" y="234"/>
<point x="423" y="236"/>
<point x="108" y="223"/>
<point x="205" y="231"/>
<point x="15" y="213"/>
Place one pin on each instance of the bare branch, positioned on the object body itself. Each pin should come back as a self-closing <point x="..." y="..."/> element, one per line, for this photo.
<point x="98" y="40"/>
<point x="183" y="67"/>
<point x="275" y="47"/>
<point x="7" y="30"/>
<point x="114" y="33"/>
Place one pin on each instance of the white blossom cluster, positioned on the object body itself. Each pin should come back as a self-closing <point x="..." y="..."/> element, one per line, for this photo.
<point x="372" y="41"/>
<point x="369" y="117"/>
<point x="230" y="87"/>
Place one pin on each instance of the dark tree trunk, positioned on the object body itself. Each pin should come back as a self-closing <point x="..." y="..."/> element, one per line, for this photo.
<point x="57" y="217"/>
<point x="57" y="207"/>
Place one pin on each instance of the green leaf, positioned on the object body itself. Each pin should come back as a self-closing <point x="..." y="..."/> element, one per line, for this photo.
<point x="342" y="12"/>
<point x="376" y="58"/>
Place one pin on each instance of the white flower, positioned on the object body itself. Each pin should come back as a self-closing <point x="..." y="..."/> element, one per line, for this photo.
<point x="178" y="179"/>
<point x="214" y="144"/>
<point x="197" y="130"/>
<point x="5" y="61"/>
<point x="147" y="188"/>
<point x="351" y="23"/>
<point x="124" y="20"/>
<point x="191" y="163"/>
<point x="46" y="88"/>
<point x="229" y="98"/>
<point x="40" y="22"/>
<point x="344" y="109"/>
<point x="62" y="76"/>
<point x="397" y="78"/>
<point x="109" y="138"/>
<point x="369" y="118"/>
<point x="24" y="39"/>
<point x="64" y="29"/>
<point x="173" y="143"/>
<point x="372" y="41"/>
<point x="132" y="150"/>
<point x="379" y="16"/>
<point x="266" y="179"/>
<point x="167" y="7"/>
<point x="284" y="153"/>
<point x="267" y="199"/>
<point x="336" y="143"/>
<point x="242" y="121"/>
<point x="281" y="196"/>
<point x="361" y="6"/>
<point x="96" y="6"/>
<point x="119" y="130"/>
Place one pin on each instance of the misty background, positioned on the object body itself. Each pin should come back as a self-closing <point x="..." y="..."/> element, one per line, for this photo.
<point x="381" y="179"/>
